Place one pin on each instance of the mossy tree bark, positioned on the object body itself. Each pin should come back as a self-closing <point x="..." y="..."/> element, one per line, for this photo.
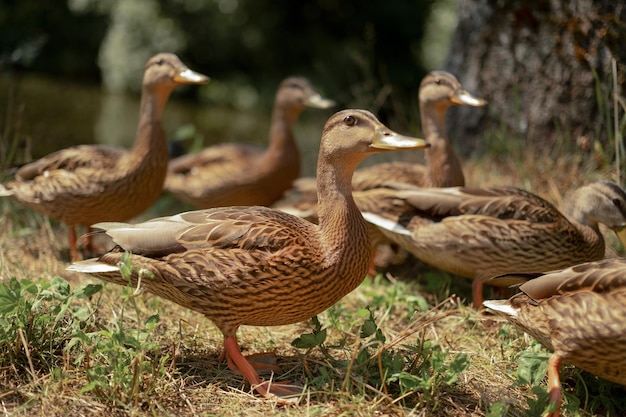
<point x="544" y="66"/>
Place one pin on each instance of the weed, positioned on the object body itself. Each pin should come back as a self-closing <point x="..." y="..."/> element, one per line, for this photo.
<point x="532" y="365"/>
<point x="597" y="395"/>
<point x="532" y="369"/>
<point x="123" y="366"/>
<point x="497" y="409"/>
<point x="118" y="362"/>
<point x="413" y="374"/>
<point x="37" y="320"/>
<point x="43" y="324"/>
<point x="310" y="340"/>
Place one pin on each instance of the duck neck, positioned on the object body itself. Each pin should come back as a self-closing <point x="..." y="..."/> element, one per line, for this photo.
<point x="578" y="209"/>
<point x="444" y="168"/>
<point x="150" y="143"/>
<point x="282" y="144"/>
<point x="342" y="228"/>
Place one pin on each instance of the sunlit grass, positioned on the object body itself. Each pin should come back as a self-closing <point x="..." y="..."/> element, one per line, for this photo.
<point x="409" y="347"/>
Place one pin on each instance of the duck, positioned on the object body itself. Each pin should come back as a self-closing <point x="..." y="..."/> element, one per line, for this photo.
<point x="255" y="265"/>
<point x="482" y="232"/>
<point x="578" y="314"/>
<point x="233" y="174"/>
<point x="87" y="184"/>
<point x="439" y="90"/>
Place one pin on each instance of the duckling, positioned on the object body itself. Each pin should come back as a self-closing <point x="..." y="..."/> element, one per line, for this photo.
<point x="243" y="174"/>
<point x="87" y="184"/>
<point x="253" y="265"/>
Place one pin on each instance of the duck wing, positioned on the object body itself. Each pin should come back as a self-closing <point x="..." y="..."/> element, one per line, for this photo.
<point x="249" y="228"/>
<point x="84" y="156"/>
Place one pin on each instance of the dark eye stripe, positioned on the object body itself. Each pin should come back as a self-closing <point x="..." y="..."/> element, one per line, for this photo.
<point x="615" y="190"/>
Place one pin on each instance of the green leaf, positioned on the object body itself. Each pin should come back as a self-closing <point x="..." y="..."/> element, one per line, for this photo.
<point x="397" y="362"/>
<point x="320" y="337"/>
<point x="420" y="301"/>
<point x="81" y="313"/>
<point x="497" y="410"/>
<point x="406" y="380"/>
<point x="60" y="286"/>
<point x="532" y="367"/>
<point x="90" y="387"/>
<point x="459" y="364"/>
<point x="78" y="338"/>
<point x="152" y="321"/>
<point x="368" y="328"/>
<point x="9" y="298"/>
<point x="537" y="406"/>
<point x="86" y="291"/>
<point x="310" y="340"/>
<point x="28" y="286"/>
<point x="437" y="359"/>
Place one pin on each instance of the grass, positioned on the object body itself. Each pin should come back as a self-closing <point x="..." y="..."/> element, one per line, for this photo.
<point x="403" y="343"/>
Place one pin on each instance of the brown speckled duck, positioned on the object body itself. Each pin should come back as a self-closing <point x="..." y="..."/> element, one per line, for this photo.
<point x="483" y="232"/>
<point x="243" y="174"/>
<point x="93" y="183"/>
<point x="439" y="90"/>
<point x="578" y="314"/>
<point x="255" y="265"/>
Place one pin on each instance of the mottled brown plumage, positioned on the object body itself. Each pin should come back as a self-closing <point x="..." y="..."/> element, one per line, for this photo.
<point x="93" y="183"/>
<point x="243" y="174"/>
<point x="256" y="265"/>
<point x="578" y="314"/>
<point x="479" y="233"/>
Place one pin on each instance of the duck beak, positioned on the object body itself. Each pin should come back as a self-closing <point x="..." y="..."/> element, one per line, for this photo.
<point x="464" y="98"/>
<point x="318" y="102"/>
<point x="188" y="76"/>
<point x="620" y="231"/>
<point x="387" y="139"/>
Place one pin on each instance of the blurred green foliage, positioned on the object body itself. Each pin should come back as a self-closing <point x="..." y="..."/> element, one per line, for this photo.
<point x="48" y="37"/>
<point x="361" y="51"/>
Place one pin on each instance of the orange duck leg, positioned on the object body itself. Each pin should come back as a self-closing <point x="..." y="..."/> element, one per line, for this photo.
<point x="239" y="363"/>
<point x="554" y="384"/>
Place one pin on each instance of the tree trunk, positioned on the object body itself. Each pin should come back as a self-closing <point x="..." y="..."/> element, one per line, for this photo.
<point x="543" y="66"/>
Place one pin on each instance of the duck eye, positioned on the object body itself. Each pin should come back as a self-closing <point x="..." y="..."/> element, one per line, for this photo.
<point x="349" y="120"/>
<point x="438" y="81"/>
<point x="617" y="202"/>
<point x="159" y="62"/>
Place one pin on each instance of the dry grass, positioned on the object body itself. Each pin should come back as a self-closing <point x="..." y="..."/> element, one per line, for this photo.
<point x="195" y="383"/>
